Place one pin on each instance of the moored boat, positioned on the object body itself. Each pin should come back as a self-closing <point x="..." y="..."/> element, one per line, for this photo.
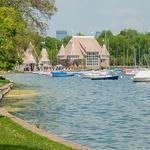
<point x="42" y="73"/>
<point x="130" y="72"/>
<point x="101" y="75"/>
<point x="142" y="76"/>
<point x="61" y="74"/>
<point x="107" y="77"/>
<point x="93" y="73"/>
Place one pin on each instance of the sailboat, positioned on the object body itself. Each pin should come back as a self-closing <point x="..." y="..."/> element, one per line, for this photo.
<point x="132" y="72"/>
<point x="142" y="75"/>
<point x="100" y="75"/>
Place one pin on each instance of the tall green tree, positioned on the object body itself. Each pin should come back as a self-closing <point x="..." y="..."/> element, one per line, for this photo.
<point x="11" y="25"/>
<point x="52" y="45"/>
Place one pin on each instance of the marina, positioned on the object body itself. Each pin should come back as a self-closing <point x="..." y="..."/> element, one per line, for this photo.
<point x="98" y="114"/>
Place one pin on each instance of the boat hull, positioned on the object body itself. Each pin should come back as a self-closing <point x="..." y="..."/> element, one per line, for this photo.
<point x="142" y="76"/>
<point x="106" y="78"/>
<point x="61" y="74"/>
<point x="141" y="79"/>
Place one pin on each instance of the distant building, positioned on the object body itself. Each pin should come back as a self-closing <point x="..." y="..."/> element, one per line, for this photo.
<point x="61" y="34"/>
<point x="83" y="52"/>
<point x="97" y="34"/>
<point x="33" y="62"/>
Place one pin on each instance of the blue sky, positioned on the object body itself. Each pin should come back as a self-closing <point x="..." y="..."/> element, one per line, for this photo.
<point x="88" y="16"/>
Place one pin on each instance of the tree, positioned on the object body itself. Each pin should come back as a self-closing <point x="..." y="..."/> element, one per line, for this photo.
<point x="11" y="25"/>
<point x="126" y="47"/>
<point x="52" y="45"/>
<point x="106" y="33"/>
<point x="33" y="11"/>
<point x="66" y="40"/>
<point x="80" y="34"/>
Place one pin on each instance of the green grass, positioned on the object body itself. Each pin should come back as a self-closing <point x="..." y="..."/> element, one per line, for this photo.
<point x="15" y="137"/>
<point x="3" y="82"/>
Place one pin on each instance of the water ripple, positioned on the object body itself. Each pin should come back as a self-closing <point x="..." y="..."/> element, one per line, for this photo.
<point x="108" y="115"/>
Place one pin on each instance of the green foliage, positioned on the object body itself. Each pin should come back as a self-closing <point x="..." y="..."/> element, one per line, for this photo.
<point x="15" y="36"/>
<point x="80" y="34"/>
<point x="15" y="137"/>
<point x="20" y="60"/>
<point x="66" y="40"/>
<point x="3" y="82"/>
<point x="11" y="26"/>
<point x="127" y="47"/>
<point x="52" y="45"/>
<point x="46" y="8"/>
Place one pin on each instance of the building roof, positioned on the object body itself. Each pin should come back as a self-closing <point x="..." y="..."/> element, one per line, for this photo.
<point x="44" y="56"/>
<point x="73" y="48"/>
<point x="87" y="43"/>
<point x="32" y="50"/>
<point x="29" y="58"/>
<point x="62" y="52"/>
<point x="29" y="55"/>
<point x="80" y="46"/>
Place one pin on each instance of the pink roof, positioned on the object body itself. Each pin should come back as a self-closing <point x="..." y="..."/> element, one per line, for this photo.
<point x="30" y="55"/>
<point x="44" y="56"/>
<point x="62" y="53"/>
<point x="29" y="59"/>
<point x="80" y="46"/>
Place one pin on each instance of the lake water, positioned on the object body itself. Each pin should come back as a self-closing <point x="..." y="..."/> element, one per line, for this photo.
<point x="108" y="115"/>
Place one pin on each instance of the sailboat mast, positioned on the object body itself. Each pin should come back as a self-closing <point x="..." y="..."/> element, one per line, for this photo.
<point x="105" y="39"/>
<point x="139" y="54"/>
<point x="134" y="57"/>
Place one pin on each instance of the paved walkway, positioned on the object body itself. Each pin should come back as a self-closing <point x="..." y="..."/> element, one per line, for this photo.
<point x="43" y="133"/>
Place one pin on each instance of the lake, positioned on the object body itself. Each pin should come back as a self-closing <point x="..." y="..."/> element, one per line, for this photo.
<point x="111" y="115"/>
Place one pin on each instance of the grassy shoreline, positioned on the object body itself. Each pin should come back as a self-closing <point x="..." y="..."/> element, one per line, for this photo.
<point x="3" y="82"/>
<point x="15" y="137"/>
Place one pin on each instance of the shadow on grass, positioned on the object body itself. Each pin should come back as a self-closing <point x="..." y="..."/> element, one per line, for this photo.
<point x="1" y="116"/>
<point x="17" y="147"/>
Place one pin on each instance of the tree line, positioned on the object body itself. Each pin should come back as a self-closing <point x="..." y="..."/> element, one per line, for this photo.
<point x="128" y="48"/>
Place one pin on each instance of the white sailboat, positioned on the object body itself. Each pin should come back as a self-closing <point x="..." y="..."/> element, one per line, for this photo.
<point x="100" y="75"/>
<point x="142" y="76"/>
